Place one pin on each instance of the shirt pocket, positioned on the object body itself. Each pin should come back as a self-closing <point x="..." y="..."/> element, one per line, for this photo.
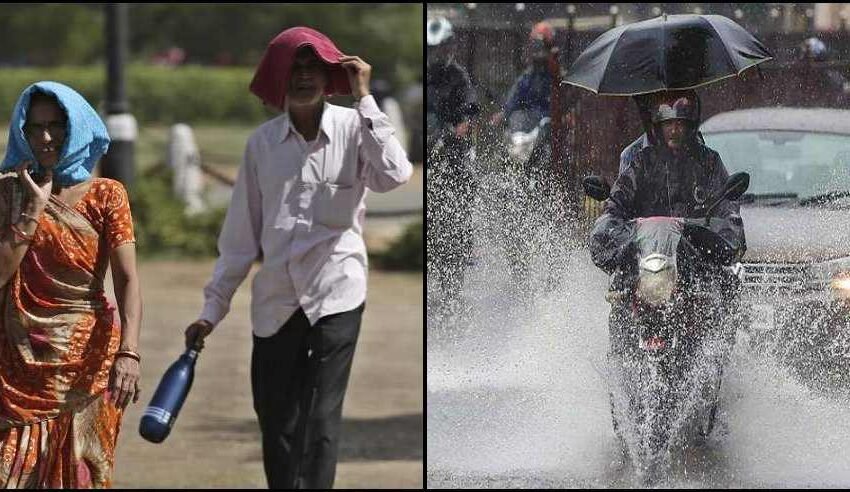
<point x="335" y="205"/>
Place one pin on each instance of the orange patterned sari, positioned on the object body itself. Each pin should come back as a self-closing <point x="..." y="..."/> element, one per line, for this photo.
<point x="58" y="335"/>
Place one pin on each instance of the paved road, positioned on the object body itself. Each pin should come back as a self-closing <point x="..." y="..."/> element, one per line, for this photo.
<point x="516" y="398"/>
<point x="216" y="441"/>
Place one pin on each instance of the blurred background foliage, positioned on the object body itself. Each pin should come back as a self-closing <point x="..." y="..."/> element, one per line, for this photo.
<point x="156" y="94"/>
<point x="406" y="252"/>
<point x="192" y="63"/>
<point x="161" y="228"/>
<point x="219" y="44"/>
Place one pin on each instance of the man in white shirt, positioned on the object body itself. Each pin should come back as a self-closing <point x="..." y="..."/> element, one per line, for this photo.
<point x="298" y="204"/>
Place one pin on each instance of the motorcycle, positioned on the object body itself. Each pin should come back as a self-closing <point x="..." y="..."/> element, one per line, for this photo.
<point x="674" y="306"/>
<point x="522" y="202"/>
<point x="525" y="131"/>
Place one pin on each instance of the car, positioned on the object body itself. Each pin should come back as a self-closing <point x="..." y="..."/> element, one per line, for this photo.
<point x="796" y="213"/>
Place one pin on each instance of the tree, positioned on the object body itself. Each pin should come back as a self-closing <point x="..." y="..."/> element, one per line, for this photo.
<point x="388" y="36"/>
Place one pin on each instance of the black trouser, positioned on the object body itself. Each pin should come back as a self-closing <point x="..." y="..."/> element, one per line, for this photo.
<point x="299" y="377"/>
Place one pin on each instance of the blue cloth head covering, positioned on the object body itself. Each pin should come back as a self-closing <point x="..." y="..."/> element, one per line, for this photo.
<point x="85" y="140"/>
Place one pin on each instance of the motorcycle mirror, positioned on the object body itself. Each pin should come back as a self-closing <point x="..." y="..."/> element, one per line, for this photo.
<point x="735" y="187"/>
<point x="596" y="187"/>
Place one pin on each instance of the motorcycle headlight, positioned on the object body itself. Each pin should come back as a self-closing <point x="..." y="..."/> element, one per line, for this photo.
<point x="654" y="263"/>
<point x="656" y="279"/>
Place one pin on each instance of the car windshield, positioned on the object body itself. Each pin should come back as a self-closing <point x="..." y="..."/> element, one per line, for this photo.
<point x="804" y="164"/>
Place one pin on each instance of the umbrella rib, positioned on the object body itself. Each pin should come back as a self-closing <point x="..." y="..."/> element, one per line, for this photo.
<point x="570" y="82"/>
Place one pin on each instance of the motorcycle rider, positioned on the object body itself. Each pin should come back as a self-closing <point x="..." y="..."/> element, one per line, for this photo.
<point x="451" y="100"/>
<point x="673" y="175"/>
<point x="830" y="80"/>
<point x="813" y="50"/>
<point x="531" y="192"/>
<point x="452" y="104"/>
<point x="647" y="138"/>
<point x="532" y="91"/>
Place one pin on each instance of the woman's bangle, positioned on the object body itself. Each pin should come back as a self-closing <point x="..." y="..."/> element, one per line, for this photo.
<point x="29" y="217"/>
<point x="130" y="354"/>
<point x="23" y="236"/>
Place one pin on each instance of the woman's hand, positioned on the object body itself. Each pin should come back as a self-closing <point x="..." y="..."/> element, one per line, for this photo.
<point x="359" y="73"/>
<point x="38" y="193"/>
<point x="124" y="381"/>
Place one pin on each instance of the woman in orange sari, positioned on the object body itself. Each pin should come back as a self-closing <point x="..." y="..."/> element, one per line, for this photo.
<point x="68" y="368"/>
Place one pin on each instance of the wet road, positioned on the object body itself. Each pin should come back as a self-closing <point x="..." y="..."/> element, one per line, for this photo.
<point x="516" y="398"/>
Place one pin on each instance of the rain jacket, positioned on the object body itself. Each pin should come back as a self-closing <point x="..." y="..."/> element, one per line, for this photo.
<point x="85" y="141"/>
<point x="657" y="183"/>
<point x="531" y="92"/>
<point x="450" y="94"/>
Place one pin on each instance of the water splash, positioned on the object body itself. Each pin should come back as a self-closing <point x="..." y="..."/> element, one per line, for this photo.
<point x="517" y="393"/>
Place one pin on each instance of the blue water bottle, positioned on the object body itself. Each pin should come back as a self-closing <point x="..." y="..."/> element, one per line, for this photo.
<point x="162" y="411"/>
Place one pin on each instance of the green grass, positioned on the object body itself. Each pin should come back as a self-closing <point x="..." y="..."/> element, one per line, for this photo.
<point x="219" y="145"/>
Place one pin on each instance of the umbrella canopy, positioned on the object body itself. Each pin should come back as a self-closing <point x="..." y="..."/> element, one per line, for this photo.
<point x="666" y="53"/>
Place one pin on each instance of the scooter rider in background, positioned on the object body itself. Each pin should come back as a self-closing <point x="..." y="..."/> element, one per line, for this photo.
<point x="451" y="98"/>
<point x="452" y="104"/>
<point x="532" y="91"/>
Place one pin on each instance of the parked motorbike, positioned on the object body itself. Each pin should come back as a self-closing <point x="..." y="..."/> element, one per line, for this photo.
<point x="674" y="307"/>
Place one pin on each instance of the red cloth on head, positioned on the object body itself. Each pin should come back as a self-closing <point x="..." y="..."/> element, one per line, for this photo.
<point x="271" y="79"/>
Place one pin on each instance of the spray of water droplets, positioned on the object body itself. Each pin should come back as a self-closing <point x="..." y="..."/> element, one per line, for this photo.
<point x="517" y="374"/>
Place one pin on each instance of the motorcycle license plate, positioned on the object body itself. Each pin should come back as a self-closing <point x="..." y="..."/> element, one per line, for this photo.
<point x="653" y="344"/>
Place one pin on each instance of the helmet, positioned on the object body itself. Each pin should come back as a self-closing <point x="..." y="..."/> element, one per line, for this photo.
<point x="814" y="49"/>
<point x="543" y="32"/>
<point x="675" y="105"/>
<point x="438" y="31"/>
<point x="541" y="41"/>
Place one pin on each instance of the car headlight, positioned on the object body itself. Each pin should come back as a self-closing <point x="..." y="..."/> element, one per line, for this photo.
<point x="836" y="274"/>
<point x="840" y="286"/>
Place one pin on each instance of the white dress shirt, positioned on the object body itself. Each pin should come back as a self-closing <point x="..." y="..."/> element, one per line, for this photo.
<point x="299" y="207"/>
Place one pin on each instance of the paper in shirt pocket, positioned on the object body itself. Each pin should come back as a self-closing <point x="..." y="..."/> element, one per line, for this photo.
<point x="335" y="205"/>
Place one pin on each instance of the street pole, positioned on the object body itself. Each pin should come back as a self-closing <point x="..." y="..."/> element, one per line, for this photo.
<point x="118" y="162"/>
<point x="571" y="26"/>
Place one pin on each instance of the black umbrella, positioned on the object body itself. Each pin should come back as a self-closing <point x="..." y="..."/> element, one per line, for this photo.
<point x="664" y="53"/>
